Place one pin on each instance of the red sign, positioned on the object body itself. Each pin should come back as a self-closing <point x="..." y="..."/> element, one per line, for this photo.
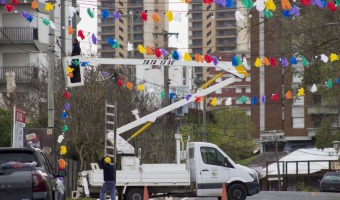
<point x="20" y="115"/>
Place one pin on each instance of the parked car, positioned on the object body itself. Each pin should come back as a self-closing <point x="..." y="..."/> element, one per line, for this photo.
<point x="25" y="173"/>
<point x="330" y="182"/>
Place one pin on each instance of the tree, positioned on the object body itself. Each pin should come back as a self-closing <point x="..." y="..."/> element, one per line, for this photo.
<point x="85" y="138"/>
<point x="230" y="129"/>
<point x="311" y="36"/>
<point x="5" y="127"/>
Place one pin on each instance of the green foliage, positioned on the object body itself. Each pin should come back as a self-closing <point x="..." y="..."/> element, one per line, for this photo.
<point x="5" y="127"/>
<point x="230" y="129"/>
<point x="326" y="134"/>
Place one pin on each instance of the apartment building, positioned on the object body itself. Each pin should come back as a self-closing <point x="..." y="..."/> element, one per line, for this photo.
<point x="287" y="121"/>
<point x="130" y="27"/>
<point x="214" y="30"/>
<point x="24" y="45"/>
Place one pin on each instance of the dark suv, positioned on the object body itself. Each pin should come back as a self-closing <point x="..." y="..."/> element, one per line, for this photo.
<point x="25" y="173"/>
<point x="330" y="182"/>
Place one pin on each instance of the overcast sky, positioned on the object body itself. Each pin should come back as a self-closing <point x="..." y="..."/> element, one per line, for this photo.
<point x="89" y="25"/>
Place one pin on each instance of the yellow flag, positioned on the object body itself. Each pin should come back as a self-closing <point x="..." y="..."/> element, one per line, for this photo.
<point x="49" y="7"/>
<point x="63" y="150"/>
<point x="270" y="5"/>
<point x="141" y="49"/>
<point x="187" y="57"/>
<point x="169" y="15"/>
<point x="69" y="69"/>
<point x="140" y="87"/>
<point x="258" y="62"/>
<point x="213" y="101"/>
<point x="301" y="92"/>
<point x="333" y="57"/>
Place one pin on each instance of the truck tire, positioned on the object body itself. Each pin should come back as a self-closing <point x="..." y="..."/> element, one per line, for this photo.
<point x="237" y="192"/>
<point x="135" y="194"/>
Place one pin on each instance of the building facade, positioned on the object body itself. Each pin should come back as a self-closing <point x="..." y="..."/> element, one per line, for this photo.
<point x="24" y="45"/>
<point x="214" y="30"/>
<point x="286" y="122"/>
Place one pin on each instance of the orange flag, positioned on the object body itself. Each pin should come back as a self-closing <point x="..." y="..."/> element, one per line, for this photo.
<point x="149" y="50"/>
<point x="265" y="61"/>
<point x="34" y="4"/>
<point x="70" y="30"/>
<point x="289" y="95"/>
<point x="156" y="17"/>
<point x="286" y="5"/>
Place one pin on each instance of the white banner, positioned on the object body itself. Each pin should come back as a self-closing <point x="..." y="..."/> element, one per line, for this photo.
<point x="19" y="121"/>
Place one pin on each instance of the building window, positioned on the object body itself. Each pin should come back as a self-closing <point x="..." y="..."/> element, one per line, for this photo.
<point x="197" y="51"/>
<point x="197" y="42"/>
<point x="197" y="16"/>
<point x="219" y="91"/>
<point x="299" y="101"/>
<point x="121" y="29"/>
<point x="197" y="24"/>
<point x="238" y="90"/>
<point x="298" y="122"/>
<point x="248" y="89"/>
<point x="248" y="79"/>
<point x="196" y="7"/>
<point x="156" y="27"/>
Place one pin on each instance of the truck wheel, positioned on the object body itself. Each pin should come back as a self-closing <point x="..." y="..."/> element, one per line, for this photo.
<point x="237" y="192"/>
<point x="135" y="194"/>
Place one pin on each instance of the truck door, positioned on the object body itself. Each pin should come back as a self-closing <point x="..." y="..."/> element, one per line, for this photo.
<point x="212" y="172"/>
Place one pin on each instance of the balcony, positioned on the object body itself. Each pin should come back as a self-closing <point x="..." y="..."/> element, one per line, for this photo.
<point x="23" y="74"/>
<point x="22" y="34"/>
<point x="322" y="110"/>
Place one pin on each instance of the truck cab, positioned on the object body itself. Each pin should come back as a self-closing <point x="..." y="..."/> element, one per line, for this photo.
<point x="210" y="167"/>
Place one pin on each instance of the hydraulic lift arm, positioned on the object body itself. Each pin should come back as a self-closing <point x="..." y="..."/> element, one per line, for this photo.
<point x="239" y="72"/>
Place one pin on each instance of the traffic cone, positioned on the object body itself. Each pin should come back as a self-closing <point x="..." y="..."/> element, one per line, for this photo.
<point x="224" y="192"/>
<point x="146" y="193"/>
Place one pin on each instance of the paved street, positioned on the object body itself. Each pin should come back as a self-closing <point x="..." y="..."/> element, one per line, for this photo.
<point x="275" y="195"/>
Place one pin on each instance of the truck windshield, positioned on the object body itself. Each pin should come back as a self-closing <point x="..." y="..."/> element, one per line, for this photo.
<point x="23" y="157"/>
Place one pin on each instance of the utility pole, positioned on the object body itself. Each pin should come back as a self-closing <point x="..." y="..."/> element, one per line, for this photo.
<point x="166" y="102"/>
<point x="166" y="36"/>
<point x="50" y="83"/>
<point x="278" y="162"/>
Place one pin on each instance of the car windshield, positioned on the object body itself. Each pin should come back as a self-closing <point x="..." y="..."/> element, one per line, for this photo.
<point x="23" y="157"/>
<point x="332" y="177"/>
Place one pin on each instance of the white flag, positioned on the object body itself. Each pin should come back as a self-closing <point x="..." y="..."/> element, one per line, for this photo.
<point x="313" y="88"/>
<point x="324" y="58"/>
<point x="228" y="102"/>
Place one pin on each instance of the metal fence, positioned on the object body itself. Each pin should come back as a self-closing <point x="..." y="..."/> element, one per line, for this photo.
<point x="18" y="33"/>
<point x="70" y="181"/>
<point x="23" y="74"/>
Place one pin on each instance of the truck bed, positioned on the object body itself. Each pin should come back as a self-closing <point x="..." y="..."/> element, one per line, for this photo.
<point x="149" y="174"/>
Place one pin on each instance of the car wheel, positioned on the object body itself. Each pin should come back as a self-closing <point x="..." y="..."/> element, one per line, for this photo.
<point x="135" y="194"/>
<point x="237" y="192"/>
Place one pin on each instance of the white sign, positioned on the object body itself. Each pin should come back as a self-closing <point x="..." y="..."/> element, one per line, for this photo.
<point x="19" y="120"/>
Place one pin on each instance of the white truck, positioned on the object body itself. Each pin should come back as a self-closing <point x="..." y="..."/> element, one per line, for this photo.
<point x="201" y="167"/>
